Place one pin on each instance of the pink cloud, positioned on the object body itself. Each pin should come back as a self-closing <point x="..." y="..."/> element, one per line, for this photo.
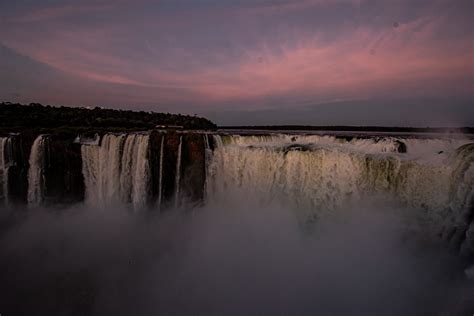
<point x="404" y="58"/>
<point x="286" y="6"/>
<point x="363" y="63"/>
<point x="61" y="11"/>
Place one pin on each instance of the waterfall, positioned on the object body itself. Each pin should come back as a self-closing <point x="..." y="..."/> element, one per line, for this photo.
<point x="141" y="173"/>
<point x="460" y="222"/>
<point x="129" y="164"/>
<point x="5" y="162"/>
<point x="178" y="173"/>
<point x="101" y="167"/>
<point x="322" y="173"/>
<point x="160" y="184"/>
<point x="117" y="171"/>
<point x="36" y="180"/>
<point x="207" y="162"/>
<point x="218" y="141"/>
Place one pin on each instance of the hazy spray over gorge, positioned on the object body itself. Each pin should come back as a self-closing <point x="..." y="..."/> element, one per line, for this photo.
<point x="220" y="224"/>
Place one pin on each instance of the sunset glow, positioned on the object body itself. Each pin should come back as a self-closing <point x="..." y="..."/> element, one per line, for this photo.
<point x="212" y="57"/>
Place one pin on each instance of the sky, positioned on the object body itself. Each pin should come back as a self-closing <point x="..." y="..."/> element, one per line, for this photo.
<point x="246" y="62"/>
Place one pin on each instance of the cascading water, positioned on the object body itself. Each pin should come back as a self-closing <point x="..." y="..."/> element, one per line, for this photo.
<point x="178" y="173"/>
<point x="101" y="167"/>
<point x="311" y="174"/>
<point x="255" y="186"/>
<point x="141" y="172"/>
<point x="460" y="222"/>
<point x="160" y="183"/>
<point x="207" y="162"/>
<point x="117" y="171"/>
<point x="316" y="174"/>
<point x="36" y="181"/>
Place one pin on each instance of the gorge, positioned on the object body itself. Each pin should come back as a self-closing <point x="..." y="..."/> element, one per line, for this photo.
<point x="314" y="174"/>
<point x="185" y="221"/>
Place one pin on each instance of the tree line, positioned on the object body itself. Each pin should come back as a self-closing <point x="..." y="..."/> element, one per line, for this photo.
<point x="35" y="115"/>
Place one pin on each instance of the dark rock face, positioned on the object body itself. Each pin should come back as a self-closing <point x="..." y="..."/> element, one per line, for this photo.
<point x="191" y="172"/>
<point x="154" y="158"/>
<point x="401" y="147"/>
<point x="64" y="182"/>
<point x="17" y="178"/>
<point x="297" y="147"/>
<point x="170" y="158"/>
<point x="193" y="175"/>
<point x="63" y="178"/>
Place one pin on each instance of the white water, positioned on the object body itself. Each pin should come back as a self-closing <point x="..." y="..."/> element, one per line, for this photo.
<point x="36" y="181"/>
<point x="417" y="148"/>
<point x="178" y="173"/>
<point x="101" y="166"/>
<point x="140" y="173"/>
<point x="160" y="183"/>
<point x="207" y="162"/>
<point x="462" y="197"/>
<point x="84" y="140"/>
<point x="314" y="175"/>
<point x="117" y="171"/>
<point x="317" y="174"/>
<point x="363" y="261"/>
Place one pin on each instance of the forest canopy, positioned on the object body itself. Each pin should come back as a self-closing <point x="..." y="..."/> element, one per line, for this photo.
<point x="35" y="115"/>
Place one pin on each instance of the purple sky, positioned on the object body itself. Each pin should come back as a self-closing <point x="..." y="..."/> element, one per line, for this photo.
<point x="357" y="62"/>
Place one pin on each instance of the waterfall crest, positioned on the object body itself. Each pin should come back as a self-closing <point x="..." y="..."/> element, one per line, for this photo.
<point x="117" y="171"/>
<point x="323" y="172"/>
<point x="101" y="167"/>
<point x="36" y="181"/>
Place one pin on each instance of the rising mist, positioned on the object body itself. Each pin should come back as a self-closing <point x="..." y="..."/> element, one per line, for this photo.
<point x="231" y="260"/>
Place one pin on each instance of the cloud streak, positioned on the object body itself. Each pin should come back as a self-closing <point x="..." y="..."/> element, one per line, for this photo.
<point x="60" y="11"/>
<point x="244" y="52"/>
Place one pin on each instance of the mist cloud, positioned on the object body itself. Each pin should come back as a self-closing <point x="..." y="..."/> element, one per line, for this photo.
<point x="225" y="260"/>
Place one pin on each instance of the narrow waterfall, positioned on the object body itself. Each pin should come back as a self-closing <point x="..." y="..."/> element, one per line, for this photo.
<point x="178" y="173"/>
<point x="160" y="183"/>
<point x="5" y="161"/>
<point x="141" y="173"/>
<point x="129" y="164"/>
<point x="36" y="179"/>
<point x="207" y="162"/>
<point x="117" y="171"/>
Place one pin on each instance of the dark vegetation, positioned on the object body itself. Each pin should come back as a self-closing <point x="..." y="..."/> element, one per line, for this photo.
<point x="16" y="117"/>
<point x="466" y="130"/>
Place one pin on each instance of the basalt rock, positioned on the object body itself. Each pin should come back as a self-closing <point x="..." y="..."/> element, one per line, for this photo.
<point x="64" y="182"/>
<point x="193" y="168"/>
<point x="17" y="174"/>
